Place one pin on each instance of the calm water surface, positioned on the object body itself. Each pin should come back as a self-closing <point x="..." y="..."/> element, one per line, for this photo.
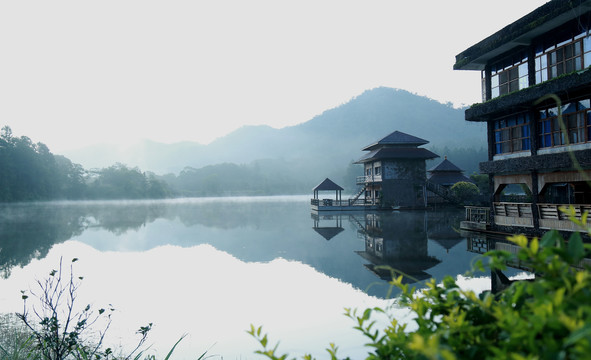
<point x="211" y="267"/>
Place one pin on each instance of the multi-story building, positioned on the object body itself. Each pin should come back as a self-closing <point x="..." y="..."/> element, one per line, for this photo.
<point x="536" y="92"/>
<point x="395" y="171"/>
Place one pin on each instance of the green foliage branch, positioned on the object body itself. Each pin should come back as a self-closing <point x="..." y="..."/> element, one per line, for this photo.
<point x="60" y="329"/>
<point x="548" y="317"/>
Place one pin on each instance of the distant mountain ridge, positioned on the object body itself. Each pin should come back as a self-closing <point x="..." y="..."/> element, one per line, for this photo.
<point x="328" y="141"/>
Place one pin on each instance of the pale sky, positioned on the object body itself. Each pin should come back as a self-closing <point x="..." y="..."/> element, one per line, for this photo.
<point x="75" y="73"/>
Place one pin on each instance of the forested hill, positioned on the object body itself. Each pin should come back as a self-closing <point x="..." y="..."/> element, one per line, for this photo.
<point x="254" y="160"/>
<point x="329" y="141"/>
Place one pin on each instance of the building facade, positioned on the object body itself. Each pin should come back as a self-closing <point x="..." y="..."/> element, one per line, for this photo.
<point x="536" y="91"/>
<point x="395" y="171"/>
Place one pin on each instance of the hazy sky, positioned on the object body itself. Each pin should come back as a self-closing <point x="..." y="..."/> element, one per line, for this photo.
<point x="74" y="73"/>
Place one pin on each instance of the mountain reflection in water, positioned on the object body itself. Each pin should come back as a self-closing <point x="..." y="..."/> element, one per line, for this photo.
<point x="211" y="267"/>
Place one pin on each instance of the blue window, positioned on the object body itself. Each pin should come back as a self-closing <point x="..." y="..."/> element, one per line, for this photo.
<point x="573" y="129"/>
<point x="512" y="134"/>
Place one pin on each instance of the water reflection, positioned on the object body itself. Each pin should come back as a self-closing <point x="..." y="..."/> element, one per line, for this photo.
<point x="353" y="248"/>
<point x="397" y="241"/>
<point x="400" y="241"/>
<point x="211" y="267"/>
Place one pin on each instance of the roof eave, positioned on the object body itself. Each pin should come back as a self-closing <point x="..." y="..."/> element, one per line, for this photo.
<point x="521" y="32"/>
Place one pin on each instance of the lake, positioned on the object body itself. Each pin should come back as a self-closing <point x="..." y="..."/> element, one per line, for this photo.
<point x="211" y="267"/>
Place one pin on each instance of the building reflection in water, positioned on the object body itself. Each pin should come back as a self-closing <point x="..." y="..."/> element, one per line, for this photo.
<point x="395" y="242"/>
<point x="333" y="224"/>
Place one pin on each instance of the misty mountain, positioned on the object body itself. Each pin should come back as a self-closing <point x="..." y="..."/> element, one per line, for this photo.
<point x="315" y="149"/>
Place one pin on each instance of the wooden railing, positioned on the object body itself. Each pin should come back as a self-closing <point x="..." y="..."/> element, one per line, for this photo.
<point x="552" y="211"/>
<point x="368" y="179"/>
<point x="545" y="211"/>
<point x="478" y="214"/>
<point x="356" y="196"/>
<point x="523" y="210"/>
<point x="332" y="202"/>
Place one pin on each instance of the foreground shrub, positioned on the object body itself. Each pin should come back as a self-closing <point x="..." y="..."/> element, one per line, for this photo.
<point x="15" y="340"/>
<point x="546" y="318"/>
<point x="59" y="328"/>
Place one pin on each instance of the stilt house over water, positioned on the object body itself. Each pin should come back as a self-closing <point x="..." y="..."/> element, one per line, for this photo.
<point x="536" y="92"/>
<point x="395" y="171"/>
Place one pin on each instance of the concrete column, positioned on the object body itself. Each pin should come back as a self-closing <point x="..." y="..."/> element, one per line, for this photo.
<point x="534" y="128"/>
<point x="487" y="83"/>
<point x="534" y="203"/>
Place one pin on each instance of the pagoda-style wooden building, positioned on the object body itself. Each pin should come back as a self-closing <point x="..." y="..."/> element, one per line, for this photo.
<point x="395" y="171"/>
<point x="536" y="92"/>
<point x="445" y="174"/>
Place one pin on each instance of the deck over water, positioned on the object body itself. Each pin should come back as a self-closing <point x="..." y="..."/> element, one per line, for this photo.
<point x="340" y="205"/>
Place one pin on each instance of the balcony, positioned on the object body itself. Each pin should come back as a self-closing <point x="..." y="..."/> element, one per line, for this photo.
<point x="362" y="180"/>
<point x="550" y="216"/>
<point x="513" y="214"/>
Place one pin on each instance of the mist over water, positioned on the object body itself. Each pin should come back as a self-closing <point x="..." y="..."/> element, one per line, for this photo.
<point x="210" y="267"/>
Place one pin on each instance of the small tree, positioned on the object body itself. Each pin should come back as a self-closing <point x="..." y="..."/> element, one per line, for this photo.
<point x="64" y="330"/>
<point x="464" y="191"/>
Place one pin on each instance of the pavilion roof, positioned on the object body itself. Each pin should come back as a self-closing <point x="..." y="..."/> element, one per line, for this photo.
<point x="327" y="184"/>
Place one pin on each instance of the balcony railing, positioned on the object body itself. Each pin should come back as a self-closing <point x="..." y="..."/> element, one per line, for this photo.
<point x="549" y="215"/>
<point x="552" y="211"/>
<point x="368" y="179"/>
<point x="478" y="214"/>
<point x="545" y="211"/>
<point x="341" y="203"/>
<point x="521" y="210"/>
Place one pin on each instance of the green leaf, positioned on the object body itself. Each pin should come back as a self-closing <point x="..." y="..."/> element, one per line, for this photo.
<point x="579" y="334"/>
<point x="576" y="250"/>
<point x="174" y="347"/>
<point x="264" y="341"/>
<point x="366" y="314"/>
<point x="549" y="238"/>
<point x="534" y="245"/>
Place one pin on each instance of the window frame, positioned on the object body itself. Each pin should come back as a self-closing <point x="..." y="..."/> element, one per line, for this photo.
<point x="509" y="75"/>
<point x="577" y="123"/>
<point x="512" y="134"/>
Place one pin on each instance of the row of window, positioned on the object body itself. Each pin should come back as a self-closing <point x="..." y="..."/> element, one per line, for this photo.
<point x="563" y="58"/>
<point x="552" y="59"/>
<point x="509" y="75"/>
<point x="512" y="134"/>
<point x="377" y="171"/>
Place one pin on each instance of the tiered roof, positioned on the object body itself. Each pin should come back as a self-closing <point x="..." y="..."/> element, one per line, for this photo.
<point x="397" y="138"/>
<point x="397" y="145"/>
